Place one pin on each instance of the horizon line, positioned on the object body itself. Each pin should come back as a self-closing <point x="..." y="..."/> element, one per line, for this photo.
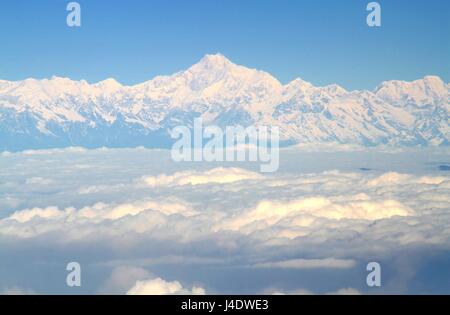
<point x="218" y="54"/>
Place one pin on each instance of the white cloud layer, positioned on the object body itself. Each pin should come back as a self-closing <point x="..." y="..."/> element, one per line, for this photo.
<point x="218" y="175"/>
<point x="347" y="202"/>
<point x="303" y="212"/>
<point x="68" y="203"/>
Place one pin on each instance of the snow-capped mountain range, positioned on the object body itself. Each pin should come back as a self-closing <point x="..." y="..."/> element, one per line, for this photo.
<point x="60" y="112"/>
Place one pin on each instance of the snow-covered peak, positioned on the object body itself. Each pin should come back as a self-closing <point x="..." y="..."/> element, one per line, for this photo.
<point x="47" y="89"/>
<point x="217" y="67"/>
<point x="297" y="87"/>
<point x="420" y="92"/>
<point x="302" y="87"/>
<point x="298" y="83"/>
<point x="108" y="85"/>
<point x="430" y="81"/>
<point x="433" y="80"/>
<point x="56" y="78"/>
<point x="213" y="80"/>
<point x="216" y="61"/>
<point x="335" y="89"/>
<point x="210" y="68"/>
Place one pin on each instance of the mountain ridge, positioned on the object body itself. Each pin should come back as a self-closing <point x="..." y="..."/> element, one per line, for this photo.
<point x="59" y="112"/>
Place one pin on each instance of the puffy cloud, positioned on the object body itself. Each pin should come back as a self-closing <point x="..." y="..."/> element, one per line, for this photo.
<point x="431" y="180"/>
<point x="218" y="175"/>
<point x="159" y="286"/>
<point x="29" y="214"/>
<point x="391" y="178"/>
<point x="83" y="223"/>
<point x="348" y="204"/>
<point x="303" y="211"/>
<point x="114" y="212"/>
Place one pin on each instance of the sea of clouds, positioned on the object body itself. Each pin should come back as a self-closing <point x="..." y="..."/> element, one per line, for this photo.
<point x="139" y="223"/>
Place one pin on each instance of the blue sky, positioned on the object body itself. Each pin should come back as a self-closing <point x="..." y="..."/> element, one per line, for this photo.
<point x="322" y="41"/>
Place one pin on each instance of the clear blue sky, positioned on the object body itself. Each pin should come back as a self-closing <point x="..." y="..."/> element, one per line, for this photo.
<point x="321" y="41"/>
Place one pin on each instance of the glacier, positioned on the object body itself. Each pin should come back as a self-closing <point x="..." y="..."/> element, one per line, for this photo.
<point x="60" y="112"/>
